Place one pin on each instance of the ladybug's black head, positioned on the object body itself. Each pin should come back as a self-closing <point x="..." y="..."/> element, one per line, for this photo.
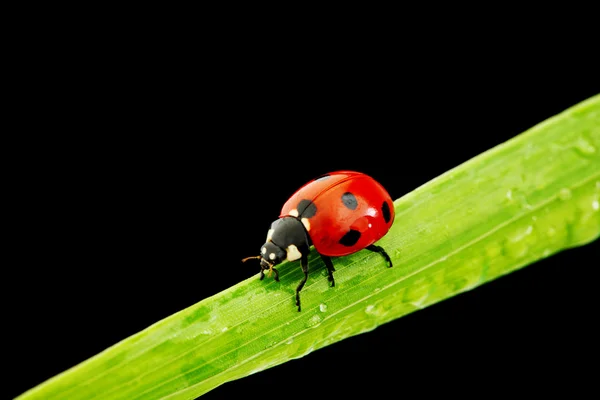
<point x="271" y="255"/>
<point x="286" y="240"/>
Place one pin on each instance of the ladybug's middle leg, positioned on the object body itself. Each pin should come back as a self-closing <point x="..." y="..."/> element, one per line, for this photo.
<point x="380" y="250"/>
<point x="304" y="264"/>
<point x="330" y="268"/>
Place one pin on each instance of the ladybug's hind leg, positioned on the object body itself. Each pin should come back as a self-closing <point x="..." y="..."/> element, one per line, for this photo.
<point x="380" y="250"/>
<point x="330" y="268"/>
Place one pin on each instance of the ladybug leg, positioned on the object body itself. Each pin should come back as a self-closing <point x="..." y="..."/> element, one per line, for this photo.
<point x="330" y="268"/>
<point x="380" y="250"/>
<point x="276" y="274"/>
<point x="304" y="264"/>
<point x="262" y="274"/>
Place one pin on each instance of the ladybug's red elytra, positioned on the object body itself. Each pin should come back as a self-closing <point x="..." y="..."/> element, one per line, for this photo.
<point x="339" y="213"/>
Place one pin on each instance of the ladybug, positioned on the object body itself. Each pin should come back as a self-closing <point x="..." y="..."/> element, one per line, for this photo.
<point x="339" y="213"/>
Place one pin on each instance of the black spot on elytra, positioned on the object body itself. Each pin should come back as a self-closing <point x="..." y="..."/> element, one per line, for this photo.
<point x="323" y="177"/>
<point x="306" y="209"/>
<point x="385" y="211"/>
<point x="350" y="238"/>
<point x="349" y="200"/>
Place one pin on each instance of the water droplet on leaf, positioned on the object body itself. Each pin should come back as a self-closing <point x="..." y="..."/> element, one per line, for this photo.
<point x="313" y="321"/>
<point x="584" y="147"/>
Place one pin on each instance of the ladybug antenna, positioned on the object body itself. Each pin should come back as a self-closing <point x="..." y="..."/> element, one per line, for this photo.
<point x="250" y="258"/>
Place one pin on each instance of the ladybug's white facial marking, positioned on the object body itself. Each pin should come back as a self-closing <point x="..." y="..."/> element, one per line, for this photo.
<point x="306" y="224"/>
<point x="272" y="254"/>
<point x="293" y="213"/>
<point x="293" y="253"/>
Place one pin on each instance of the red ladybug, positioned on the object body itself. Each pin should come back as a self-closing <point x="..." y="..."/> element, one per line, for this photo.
<point x="339" y="213"/>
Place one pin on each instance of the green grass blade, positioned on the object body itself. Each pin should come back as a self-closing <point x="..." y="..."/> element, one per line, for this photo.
<point x="531" y="197"/>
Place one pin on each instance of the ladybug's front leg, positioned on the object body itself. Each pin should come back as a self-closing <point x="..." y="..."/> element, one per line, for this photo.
<point x="304" y="265"/>
<point x="330" y="268"/>
<point x="262" y="273"/>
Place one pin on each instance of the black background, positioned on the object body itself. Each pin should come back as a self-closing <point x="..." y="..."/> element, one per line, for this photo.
<point x="161" y="170"/>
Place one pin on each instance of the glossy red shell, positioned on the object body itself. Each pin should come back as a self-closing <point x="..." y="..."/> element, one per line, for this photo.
<point x="353" y="211"/>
